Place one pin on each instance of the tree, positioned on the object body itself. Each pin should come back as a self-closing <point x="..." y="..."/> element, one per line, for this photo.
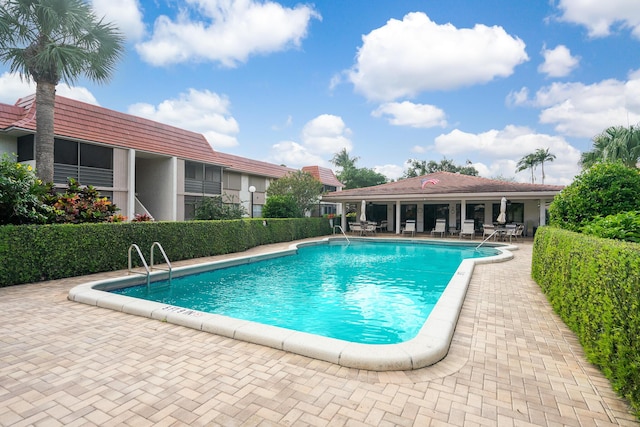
<point x="281" y="207"/>
<point x="52" y="40"/>
<point x="301" y="186"/>
<point x="603" y="189"/>
<point x="216" y="208"/>
<point x="422" y="167"/>
<point x="353" y="177"/>
<point x="543" y="155"/>
<point x="529" y="161"/>
<point x="615" y="143"/>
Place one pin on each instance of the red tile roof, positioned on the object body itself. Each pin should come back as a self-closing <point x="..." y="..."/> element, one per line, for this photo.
<point x="87" y="122"/>
<point x="255" y="167"/>
<point x="10" y="114"/>
<point x="324" y="175"/>
<point x="441" y="184"/>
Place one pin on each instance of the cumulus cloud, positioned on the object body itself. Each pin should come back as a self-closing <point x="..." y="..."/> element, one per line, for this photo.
<point x="512" y="142"/>
<point x="413" y="115"/>
<point x="600" y="16"/>
<point x="558" y="61"/>
<point x="390" y="171"/>
<point x="404" y="58"/>
<point x="580" y="110"/>
<point x="294" y="155"/>
<point x="125" y="14"/>
<point x="204" y="112"/>
<point x="225" y="31"/>
<point x="321" y="137"/>
<point x="326" y="134"/>
<point x="12" y="88"/>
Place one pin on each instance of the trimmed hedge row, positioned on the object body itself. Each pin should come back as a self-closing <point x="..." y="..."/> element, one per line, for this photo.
<point x="594" y="285"/>
<point x="32" y="253"/>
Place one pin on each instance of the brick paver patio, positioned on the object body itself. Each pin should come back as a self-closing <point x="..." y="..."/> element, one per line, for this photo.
<point x="512" y="363"/>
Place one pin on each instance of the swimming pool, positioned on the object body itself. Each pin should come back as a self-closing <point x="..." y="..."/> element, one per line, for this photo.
<point x="365" y="292"/>
<point x="423" y="345"/>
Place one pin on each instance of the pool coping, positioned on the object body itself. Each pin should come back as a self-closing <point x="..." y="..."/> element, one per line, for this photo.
<point x="430" y="345"/>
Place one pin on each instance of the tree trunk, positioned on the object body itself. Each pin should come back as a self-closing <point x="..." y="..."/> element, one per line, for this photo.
<point x="45" y="104"/>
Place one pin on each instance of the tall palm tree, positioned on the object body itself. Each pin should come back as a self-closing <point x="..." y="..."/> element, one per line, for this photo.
<point x="530" y="161"/>
<point x="52" y="40"/>
<point x="543" y="155"/>
<point x="616" y="143"/>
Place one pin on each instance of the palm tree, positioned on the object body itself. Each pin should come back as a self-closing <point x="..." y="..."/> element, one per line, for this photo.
<point x="543" y="155"/>
<point x="530" y="161"/>
<point x="52" y="40"/>
<point x="615" y="143"/>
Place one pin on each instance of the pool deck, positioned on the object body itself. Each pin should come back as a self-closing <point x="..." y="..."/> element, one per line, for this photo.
<point x="512" y="362"/>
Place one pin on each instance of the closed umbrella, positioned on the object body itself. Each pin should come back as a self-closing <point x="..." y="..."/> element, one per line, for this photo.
<point x="363" y="212"/>
<point x="502" y="218"/>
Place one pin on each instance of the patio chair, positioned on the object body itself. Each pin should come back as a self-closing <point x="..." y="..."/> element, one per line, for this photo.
<point x="441" y="227"/>
<point x="355" y="228"/>
<point x="488" y="230"/>
<point x="369" y="228"/>
<point x="410" y="227"/>
<point x="383" y="226"/>
<point x="514" y="232"/>
<point x="468" y="229"/>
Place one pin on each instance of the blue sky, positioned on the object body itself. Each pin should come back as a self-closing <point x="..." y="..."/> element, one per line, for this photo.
<point x="389" y="80"/>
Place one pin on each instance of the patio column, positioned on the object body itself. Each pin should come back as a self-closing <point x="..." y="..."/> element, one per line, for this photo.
<point x="543" y="212"/>
<point x="398" y="221"/>
<point x="131" y="186"/>
<point x="463" y="211"/>
<point x="343" y="217"/>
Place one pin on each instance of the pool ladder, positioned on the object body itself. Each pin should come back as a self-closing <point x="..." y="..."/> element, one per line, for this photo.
<point x="144" y="262"/>
<point x="342" y="231"/>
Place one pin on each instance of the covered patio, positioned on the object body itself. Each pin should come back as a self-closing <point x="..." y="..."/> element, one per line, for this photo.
<point x="449" y="196"/>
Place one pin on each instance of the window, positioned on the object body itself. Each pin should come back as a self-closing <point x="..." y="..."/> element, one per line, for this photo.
<point x="232" y="181"/>
<point x="515" y="212"/>
<point x="65" y="152"/>
<point x="201" y="178"/>
<point x="25" y="148"/>
<point x="96" y="156"/>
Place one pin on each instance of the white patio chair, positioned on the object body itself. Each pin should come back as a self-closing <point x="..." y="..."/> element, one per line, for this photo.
<point x="410" y="227"/>
<point x="441" y="227"/>
<point x="488" y="230"/>
<point x="468" y="229"/>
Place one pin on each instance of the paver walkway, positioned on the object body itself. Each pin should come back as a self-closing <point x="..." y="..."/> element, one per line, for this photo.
<point x="512" y="363"/>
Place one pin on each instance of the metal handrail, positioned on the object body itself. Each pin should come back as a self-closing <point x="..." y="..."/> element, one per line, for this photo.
<point x="342" y="231"/>
<point x="144" y="262"/>
<point x="164" y="254"/>
<point x="485" y="240"/>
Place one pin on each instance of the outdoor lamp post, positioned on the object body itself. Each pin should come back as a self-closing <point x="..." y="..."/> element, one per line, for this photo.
<point x="252" y="189"/>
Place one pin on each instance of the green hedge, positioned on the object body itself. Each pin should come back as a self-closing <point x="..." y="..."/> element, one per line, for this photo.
<point x="594" y="285"/>
<point x="32" y="253"/>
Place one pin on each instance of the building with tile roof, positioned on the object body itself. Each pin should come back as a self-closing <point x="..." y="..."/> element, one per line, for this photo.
<point x="330" y="184"/>
<point x="450" y="196"/>
<point x="142" y="165"/>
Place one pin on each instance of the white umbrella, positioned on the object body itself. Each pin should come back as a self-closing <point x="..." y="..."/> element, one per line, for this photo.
<point x="502" y="218"/>
<point x="363" y="212"/>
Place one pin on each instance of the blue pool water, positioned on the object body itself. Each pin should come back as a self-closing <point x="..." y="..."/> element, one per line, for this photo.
<point x="369" y="292"/>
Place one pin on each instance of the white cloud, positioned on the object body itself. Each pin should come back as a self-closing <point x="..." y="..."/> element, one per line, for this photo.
<point x="204" y="112"/>
<point x="322" y="137"/>
<point x="580" y="110"/>
<point x="226" y="31"/>
<point x="13" y="88"/>
<point x="500" y="147"/>
<point x="520" y="97"/>
<point x="600" y="16"/>
<point x="326" y="134"/>
<point x="558" y="61"/>
<point x="294" y="155"/>
<point x="125" y="14"/>
<point x="409" y="114"/>
<point x="404" y="58"/>
<point x="390" y="171"/>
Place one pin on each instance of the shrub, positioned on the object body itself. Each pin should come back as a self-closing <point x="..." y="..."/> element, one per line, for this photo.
<point x="80" y="204"/>
<point x="594" y="285"/>
<point x="281" y="207"/>
<point x="623" y="226"/>
<point x="604" y="189"/>
<point x="210" y="208"/>
<point x="20" y="194"/>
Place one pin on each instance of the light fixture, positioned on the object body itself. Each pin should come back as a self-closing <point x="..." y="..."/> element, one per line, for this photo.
<point x="252" y="189"/>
